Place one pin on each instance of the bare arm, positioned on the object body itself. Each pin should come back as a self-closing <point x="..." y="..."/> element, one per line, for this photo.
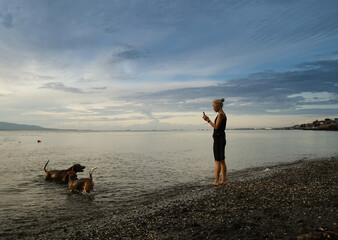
<point x="221" y="116"/>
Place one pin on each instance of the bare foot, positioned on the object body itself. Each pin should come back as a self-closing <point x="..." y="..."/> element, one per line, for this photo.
<point x="215" y="184"/>
<point x="224" y="183"/>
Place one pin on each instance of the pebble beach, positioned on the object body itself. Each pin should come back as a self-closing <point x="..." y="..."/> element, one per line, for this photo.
<point x="298" y="201"/>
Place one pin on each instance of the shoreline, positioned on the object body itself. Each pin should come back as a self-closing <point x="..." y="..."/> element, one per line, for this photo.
<point x="294" y="199"/>
<point x="282" y="201"/>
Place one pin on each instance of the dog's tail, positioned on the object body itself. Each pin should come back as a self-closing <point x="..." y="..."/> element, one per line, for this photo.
<point x="90" y="173"/>
<point x="46" y="166"/>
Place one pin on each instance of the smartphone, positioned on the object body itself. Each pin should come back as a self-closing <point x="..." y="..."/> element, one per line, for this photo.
<point x="203" y="113"/>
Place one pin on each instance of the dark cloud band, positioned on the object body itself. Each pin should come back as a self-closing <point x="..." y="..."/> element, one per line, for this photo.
<point x="263" y="92"/>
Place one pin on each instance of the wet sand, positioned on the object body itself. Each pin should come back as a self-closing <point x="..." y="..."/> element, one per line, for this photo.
<point x="283" y="202"/>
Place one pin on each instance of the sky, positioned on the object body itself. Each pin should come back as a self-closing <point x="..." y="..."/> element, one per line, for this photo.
<point x="153" y="64"/>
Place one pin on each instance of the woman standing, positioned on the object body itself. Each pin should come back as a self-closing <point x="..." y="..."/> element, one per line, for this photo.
<point x="219" y="140"/>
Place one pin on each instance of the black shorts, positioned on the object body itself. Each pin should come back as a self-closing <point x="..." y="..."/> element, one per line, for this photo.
<point x="219" y="147"/>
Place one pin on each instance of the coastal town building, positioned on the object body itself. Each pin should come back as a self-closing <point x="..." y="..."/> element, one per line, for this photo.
<point x="327" y="124"/>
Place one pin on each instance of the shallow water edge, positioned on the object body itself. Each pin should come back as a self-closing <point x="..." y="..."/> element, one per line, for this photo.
<point x="145" y="205"/>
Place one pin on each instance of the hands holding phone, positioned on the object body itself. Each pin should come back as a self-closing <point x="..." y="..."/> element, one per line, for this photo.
<point x="205" y="117"/>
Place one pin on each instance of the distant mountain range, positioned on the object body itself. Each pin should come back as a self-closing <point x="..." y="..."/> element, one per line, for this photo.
<point x="14" y="126"/>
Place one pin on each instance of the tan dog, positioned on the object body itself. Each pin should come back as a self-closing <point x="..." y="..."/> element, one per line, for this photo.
<point x="85" y="184"/>
<point x="61" y="175"/>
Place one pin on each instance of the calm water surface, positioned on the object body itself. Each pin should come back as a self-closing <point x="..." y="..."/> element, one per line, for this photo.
<point x="132" y="167"/>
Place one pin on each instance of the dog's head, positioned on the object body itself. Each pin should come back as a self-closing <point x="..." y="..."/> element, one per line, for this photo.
<point x="78" y="168"/>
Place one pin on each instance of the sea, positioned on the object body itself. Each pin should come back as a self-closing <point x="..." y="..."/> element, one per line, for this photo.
<point x="133" y="167"/>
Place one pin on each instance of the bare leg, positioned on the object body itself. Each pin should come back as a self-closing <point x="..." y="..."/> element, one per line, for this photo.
<point x="224" y="172"/>
<point x="217" y="172"/>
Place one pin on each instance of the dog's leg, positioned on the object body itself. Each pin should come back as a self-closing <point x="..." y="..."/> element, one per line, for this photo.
<point x="47" y="176"/>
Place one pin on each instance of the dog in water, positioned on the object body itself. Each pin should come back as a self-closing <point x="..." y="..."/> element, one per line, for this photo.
<point x="82" y="184"/>
<point x="61" y="175"/>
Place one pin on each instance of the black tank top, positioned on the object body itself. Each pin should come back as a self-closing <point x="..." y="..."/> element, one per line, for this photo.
<point x="221" y="128"/>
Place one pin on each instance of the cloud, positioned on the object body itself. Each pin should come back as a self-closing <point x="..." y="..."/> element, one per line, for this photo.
<point x="61" y="87"/>
<point x="163" y="40"/>
<point x="314" y="97"/>
<point x="123" y="57"/>
<point x="273" y="92"/>
<point x="330" y="54"/>
<point x="130" y="54"/>
<point x="6" y="20"/>
<point x="168" y="56"/>
<point x="99" y="88"/>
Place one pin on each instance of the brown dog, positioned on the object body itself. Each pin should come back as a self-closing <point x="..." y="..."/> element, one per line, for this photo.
<point x="85" y="184"/>
<point x="61" y="175"/>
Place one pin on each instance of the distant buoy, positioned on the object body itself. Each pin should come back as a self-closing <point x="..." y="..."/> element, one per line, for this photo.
<point x="38" y="141"/>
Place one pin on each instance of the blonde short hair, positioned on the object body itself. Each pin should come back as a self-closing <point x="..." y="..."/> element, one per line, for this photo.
<point x="218" y="102"/>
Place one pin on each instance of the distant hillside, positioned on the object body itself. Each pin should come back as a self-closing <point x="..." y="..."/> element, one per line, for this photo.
<point x="14" y="126"/>
<point x="327" y="124"/>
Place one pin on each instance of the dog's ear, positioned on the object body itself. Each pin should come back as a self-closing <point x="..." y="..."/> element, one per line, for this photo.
<point x="76" y="168"/>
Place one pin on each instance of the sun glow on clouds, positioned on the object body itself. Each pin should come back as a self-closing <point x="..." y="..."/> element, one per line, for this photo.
<point x="314" y="106"/>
